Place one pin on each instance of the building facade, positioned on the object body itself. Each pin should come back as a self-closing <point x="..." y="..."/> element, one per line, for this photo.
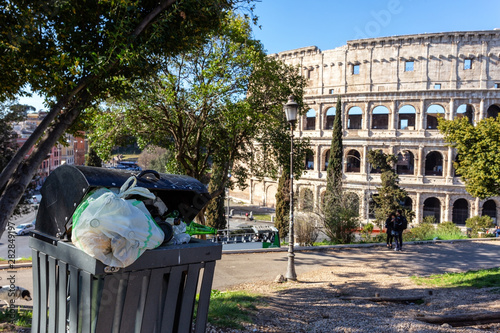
<point x="393" y="90"/>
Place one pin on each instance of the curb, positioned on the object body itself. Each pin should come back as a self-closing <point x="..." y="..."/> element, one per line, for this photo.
<point x="314" y="248"/>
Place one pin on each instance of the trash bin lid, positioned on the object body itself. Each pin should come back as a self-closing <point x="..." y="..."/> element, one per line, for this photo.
<point x="66" y="187"/>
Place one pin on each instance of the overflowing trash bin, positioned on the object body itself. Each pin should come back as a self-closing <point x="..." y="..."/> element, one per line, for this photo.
<point x="74" y="291"/>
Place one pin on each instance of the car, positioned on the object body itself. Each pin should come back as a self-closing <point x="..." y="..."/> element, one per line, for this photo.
<point x="24" y="228"/>
<point x="35" y="199"/>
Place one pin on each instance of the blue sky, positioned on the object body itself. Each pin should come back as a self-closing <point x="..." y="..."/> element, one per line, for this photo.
<point x="291" y="24"/>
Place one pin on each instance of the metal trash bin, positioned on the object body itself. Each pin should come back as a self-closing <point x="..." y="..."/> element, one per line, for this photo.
<point x="74" y="292"/>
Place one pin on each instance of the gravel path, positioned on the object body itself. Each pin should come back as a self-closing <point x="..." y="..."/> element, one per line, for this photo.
<point x="315" y="304"/>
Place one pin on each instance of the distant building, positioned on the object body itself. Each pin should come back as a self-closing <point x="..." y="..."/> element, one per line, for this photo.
<point x="393" y="89"/>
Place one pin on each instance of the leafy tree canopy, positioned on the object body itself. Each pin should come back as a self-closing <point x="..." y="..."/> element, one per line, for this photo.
<point x="478" y="150"/>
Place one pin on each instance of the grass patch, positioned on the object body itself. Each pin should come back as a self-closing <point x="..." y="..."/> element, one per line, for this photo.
<point x="4" y="261"/>
<point x="17" y="317"/>
<point x="486" y="278"/>
<point x="262" y="217"/>
<point x="230" y="309"/>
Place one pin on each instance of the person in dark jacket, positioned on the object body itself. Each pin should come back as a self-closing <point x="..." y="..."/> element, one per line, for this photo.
<point x="399" y="225"/>
<point x="389" y="227"/>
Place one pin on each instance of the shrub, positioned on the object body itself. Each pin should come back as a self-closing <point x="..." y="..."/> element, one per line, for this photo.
<point x="448" y="230"/>
<point x="478" y="223"/>
<point x="423" y="231"/>
<point x="305" y="232"/>
<point x="366" y="231"/>
<point x="430" y="219"/>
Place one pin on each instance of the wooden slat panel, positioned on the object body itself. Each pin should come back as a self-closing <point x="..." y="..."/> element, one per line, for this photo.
<point x="107" y="303"/>
<point x="131" y="311"/>
<point x="35" y="319"/>
<point x="43" y="266"/>
<point x="73" y="301"/>
<point x="62" y="296"/>
<point x="52" y="294"/>
<point x="188" y="298"/>
<point x="152" y="310"/>
<point x="204" y="299"/>
<point x="169" y="311"/>
<point x="85" y="301"/>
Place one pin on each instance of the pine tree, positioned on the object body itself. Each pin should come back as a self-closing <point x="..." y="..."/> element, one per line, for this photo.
<point x="283" y="204"/>
<point x="390" y="194"/>
<point x="340" y="214"/>
<point x="93" y="159"/>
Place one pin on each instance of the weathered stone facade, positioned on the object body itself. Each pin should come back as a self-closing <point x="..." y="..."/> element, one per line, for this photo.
<point x="392" y="91"/>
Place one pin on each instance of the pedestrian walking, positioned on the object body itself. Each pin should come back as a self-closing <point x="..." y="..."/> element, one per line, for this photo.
<point x="389" y="229"/>
<point x="399" y="226"/>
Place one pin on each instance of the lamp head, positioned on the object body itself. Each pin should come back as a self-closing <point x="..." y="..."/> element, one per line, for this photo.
<point x="291" y="108"/>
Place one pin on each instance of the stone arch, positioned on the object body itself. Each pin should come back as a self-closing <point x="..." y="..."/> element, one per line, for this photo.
<point x="460" y="211"/>
<point x="309" y="160"/>
<point x="355" y="118"/>
<point x="306" y="200"/>
<point x="353" y="161"/>
<point x="433" y="112"/>
<point x="466" y="110"/>
<point x="492" y="111"/>
<point x="490" y="209"/>
<point x="432" y="207"/>
<point x="330" y="117"/>
<point x="407" y="115"/>
<point x="407" y="203"/>
<point x="406" y="163"/>
<point x="380" y="117"/>
<point x="456" y="161"/>
<point x="310" y="120"/>
<point x="271" y="191"/>
<point x="354" y="199"/>
<point x="434" y="164"/>
<point x="326" y="158"/>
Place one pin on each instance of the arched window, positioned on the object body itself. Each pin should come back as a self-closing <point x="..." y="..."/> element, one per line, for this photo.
<point x="311" y="120"/>
<point x="457" y="161"/>
<point x="330" y="117"/>
<point x="432" y="207"/>
<point x="353" y="200"/>
<point x="434" y="164"/>
<point x="492" y="111"/>
<point x="307" y="200"/>
<point x="433" y="112"/>
<point x="407" y="203"/>
<point x="310" y="160"/>
<point x="355" y="118"/>
<point x="460" y="211"/>
<point x="405" y="163"/>
<point x="353" y="161"/>
<point x="380" y="117"/>
<point x="327" y="159"/>
<point x="372" y="206"/>
<point x="490" y="209"/>
<point x="466" y="110"/>
<point x="407" y="117"/>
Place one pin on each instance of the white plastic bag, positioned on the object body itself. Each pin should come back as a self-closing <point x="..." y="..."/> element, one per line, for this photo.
<point x="180" y="235"/>
<point x="114" y="230"/>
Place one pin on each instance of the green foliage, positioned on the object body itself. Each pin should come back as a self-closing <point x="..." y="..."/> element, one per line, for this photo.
<point x="478" y="224"/>
<point x="283" y="205"/>
<point x="18" y="317"/>
<point x="231" y="309"/>
<point x="485" y="278"/>
<point x="340" y="212"/>
<point x="212" y="104"/>
<point x="448" y="230"/>
<point x="366" y="231"/>
<point x="429" y="219"/>
<point x="478" y="148"/>
<point x="390" y="194"/>
<point x="423" y="231"/>
<point x="93" y="159"/>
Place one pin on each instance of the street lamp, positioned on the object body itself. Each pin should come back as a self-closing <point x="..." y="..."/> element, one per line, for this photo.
<point x="290" y="109"/>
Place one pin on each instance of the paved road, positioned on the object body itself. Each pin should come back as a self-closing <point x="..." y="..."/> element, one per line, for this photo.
<point x="424" y="259"/>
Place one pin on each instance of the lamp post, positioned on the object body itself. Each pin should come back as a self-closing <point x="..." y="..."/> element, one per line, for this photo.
<point x="291" y="108"/>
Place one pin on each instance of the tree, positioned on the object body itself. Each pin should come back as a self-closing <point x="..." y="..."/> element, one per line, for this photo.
<point x="77" y="61"/>
<point x="209" y="105"/>
<point x="390" y="194"/>
<point x="283" y="204"/>
<point x="478" y="151"/>
<point x="215" y="211"/>
<point x="93" y="159"/>
<point x="339" y="213"/>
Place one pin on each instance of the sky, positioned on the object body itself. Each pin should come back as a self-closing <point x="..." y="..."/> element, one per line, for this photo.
<point x="290" y="24"/>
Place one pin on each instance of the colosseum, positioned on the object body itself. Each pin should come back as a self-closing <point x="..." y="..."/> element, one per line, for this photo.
<point x="393" y="89"/>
